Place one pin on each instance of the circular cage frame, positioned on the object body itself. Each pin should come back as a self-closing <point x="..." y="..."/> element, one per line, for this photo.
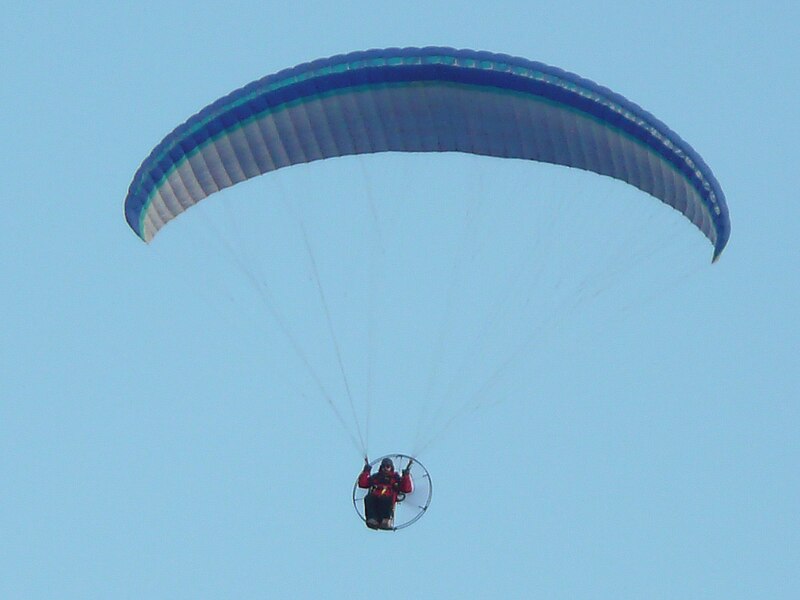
<point x="409" y="507"/>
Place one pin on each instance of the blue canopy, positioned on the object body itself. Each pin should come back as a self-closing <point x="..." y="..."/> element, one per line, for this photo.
<point x="422" y="100"/>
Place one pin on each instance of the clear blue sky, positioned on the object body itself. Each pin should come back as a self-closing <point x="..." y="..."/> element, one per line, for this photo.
<point x="161" y="438"/>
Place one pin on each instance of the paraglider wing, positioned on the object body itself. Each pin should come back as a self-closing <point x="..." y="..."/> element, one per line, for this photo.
<point x="422" y="100"/>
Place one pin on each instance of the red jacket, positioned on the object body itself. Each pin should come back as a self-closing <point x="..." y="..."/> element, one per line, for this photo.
<point x="386" y="485"/>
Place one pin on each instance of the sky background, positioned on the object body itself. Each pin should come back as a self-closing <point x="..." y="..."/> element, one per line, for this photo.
<point x="615" y="433"/>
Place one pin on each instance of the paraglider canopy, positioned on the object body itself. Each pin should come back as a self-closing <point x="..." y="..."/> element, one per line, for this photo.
<point x="423" y="100"/>
<point x="410" y="507"/>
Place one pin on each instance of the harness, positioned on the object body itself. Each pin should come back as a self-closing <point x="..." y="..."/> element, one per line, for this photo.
<point x="384" y="488"/>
